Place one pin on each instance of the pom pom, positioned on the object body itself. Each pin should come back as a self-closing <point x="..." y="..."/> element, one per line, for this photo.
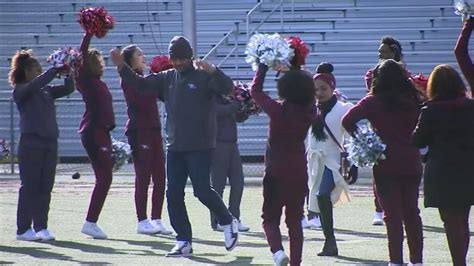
<point x="325" y="68"/>
<point x="76" y="175"/>
<point x="464" y="8"/>
<point x="300" y="51"/>
<point x="365" y="148"/>
<point x="96" y="20"/>
<point x="160" y="63"/>
<point x="65" y="59"/>
<point x="271" y="50"/>
<point x="242" y="94"/>
<point x="121" y="152"/>
<point x="4" y="150"/>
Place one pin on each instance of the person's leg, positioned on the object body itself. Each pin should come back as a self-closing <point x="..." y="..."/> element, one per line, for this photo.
<point x="199" y="164"/>
<point x="293" y="213"/>
<point x="177" y="175"/>
<point x="48" y="172"/>
<point x="456" y="224"/>
<point x="412" y="220"/>
<point x="326" y="213"/>
<point x="98" y="145"/>
<point x="142" y="156"/>
<point x="219" y="172"/>
<point x="389" y="195"/>
<point x="236" y="180"/>
<point x="158" y="175"/>
<point x="271" y="214"/>
<point x="30" y="166"/>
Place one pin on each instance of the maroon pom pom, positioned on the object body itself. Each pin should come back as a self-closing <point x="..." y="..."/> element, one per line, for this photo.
<point x="242" y="94"/>
<point x="160" y="63"/>
<point x="96" y="20"/>
<point x="301" y="51"/>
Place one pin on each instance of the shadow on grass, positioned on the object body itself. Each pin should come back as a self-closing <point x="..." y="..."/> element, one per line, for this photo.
<point x="363" y="261"/>
<point x="42" y="253"/>
<point x="155" y="244"/>
<point x="221" y="243"/>
<point x="6" y="262"/>
<point x="83" y="247"/>
<point x="434" y="229"/>
<point x="359" y="233"/>
<point x="203" y="258"/>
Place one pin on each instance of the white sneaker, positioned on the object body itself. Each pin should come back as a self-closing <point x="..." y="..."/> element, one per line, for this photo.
<point x="146" y="228"/>
<point x="280" y="258"/>
<point x="315" y="223"/>
<point x="161" y="227"/>
<point x="378" y="218"/>
<point x="29" y="235"/>
<point x="305" y="224"/>
<point x="415" y="264"/>
<point x="242" y="227"/>
<point x="231" y="234"/>
<point x="181" y="249"/>
<point x="394" y="264"/>
<point x="91" y="229"/>
<point x="45" y="235"/>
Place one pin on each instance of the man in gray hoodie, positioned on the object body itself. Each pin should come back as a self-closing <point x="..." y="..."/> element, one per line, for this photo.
<point x="188" y="91"/>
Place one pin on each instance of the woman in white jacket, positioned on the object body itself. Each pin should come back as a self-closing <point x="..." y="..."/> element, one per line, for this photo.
<point x="327" y="187"/>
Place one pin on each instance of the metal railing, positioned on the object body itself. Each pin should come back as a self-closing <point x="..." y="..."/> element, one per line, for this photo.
<point x="249" y="14"/>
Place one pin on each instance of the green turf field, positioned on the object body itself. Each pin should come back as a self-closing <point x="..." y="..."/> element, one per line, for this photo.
<point x="359" y="242"/>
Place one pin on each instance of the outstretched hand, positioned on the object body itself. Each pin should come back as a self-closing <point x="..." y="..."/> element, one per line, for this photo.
<point x="206" y="66"/>
<point x="116" y="57"/>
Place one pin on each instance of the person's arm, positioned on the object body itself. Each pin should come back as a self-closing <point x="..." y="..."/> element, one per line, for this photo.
<point x="63" y="90"/>
<point x="23" y="91"/>
<point x="224" y="109"/>
<point x="354" y="115"/>
<point x="86" y="41"/>
<point x="221" y="83"/>
<point x="241" y="117"/>
<point x="152" y="83"/>
<point x="461" y="52"/>
<point x="422" y="135"/>
<point x="368" y="79"/>
<point x="267" y="104"/>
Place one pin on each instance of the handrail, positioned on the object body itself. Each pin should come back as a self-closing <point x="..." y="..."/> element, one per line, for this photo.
<point x="247" y="18"/>
<point x="218" y="44"/>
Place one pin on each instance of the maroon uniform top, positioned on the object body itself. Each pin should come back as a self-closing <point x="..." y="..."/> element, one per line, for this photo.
<point x="285" y="157"/>
<point x="462" y="53"/>
<point x="95" y="94"/>
<point x="142" y="109"/>
<point x="395" y="127"/>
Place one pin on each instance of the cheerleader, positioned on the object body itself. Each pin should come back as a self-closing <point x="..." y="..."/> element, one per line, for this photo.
<point x="38" y="145"/>
<point x="97" y="122"/>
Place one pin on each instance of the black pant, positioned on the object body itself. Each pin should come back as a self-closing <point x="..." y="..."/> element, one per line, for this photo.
<point x="37" y="161"/>
<point x="196" y="165"/>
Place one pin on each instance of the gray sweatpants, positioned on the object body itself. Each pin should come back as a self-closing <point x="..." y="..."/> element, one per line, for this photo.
<point x="226" y="163"/>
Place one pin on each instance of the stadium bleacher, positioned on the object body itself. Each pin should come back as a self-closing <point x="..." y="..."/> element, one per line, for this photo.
<point x="343" y="32"/>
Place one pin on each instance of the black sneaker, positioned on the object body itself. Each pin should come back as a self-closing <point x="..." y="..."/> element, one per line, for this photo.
<point x="181" y="249"/>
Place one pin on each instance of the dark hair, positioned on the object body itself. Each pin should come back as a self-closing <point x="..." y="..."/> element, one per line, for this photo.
<point x="394" y="45"/>
<point x="392" y="85"/>
<point x="445" y="83"/>
<point x="94" y="62"/>
<point x="296" y="86"/>
<point x="325" y="67"/>
<point x="21" y="61"/>
<point x="128" y="52"/>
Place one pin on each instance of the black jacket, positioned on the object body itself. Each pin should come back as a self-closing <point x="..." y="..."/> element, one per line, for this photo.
<point x="447" y="128"/>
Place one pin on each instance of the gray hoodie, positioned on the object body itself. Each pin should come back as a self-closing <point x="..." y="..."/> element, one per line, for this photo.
<point x="189" y="99"/>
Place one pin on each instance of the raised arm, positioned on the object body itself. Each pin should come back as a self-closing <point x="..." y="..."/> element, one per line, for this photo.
<point x="268" y="105"/>
<point x="423" y="135"/>
<point x="220" y="82"/>
<point x="23" y="91"/>
<point x="462" y="52"/>
<point x="152" y="83"/>
<point x="86" y="41"/>
<point x="63" y="90"/>
<point x="223" y="109"/>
